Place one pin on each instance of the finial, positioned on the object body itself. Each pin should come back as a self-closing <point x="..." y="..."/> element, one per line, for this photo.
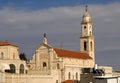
<point x="45" y="39"/>
<point x="86" y="8"/>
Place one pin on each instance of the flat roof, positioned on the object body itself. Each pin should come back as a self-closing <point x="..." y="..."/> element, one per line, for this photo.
<point x="105" y="77"/>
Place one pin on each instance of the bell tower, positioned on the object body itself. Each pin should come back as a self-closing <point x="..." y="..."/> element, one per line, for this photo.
<point x="87" y="37"/>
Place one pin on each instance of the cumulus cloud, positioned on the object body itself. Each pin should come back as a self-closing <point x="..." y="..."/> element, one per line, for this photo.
<point x="62" y="25"/>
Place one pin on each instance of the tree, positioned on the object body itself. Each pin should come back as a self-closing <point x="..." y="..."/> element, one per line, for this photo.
<point x="22" y="56"/>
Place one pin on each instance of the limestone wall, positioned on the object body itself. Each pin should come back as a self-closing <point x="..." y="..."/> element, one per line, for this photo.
<point x="2" y="77"/>
<point x="14" y="78"/>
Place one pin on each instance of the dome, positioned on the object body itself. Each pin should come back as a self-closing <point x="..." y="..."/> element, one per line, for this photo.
<point x="86" y="14"/>
<point x="86" y="18"/>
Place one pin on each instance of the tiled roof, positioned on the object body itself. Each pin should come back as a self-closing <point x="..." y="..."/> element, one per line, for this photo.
<point x="7" y="43"/>
<point x="70" y="81"/>
<point x="72" y="54"/>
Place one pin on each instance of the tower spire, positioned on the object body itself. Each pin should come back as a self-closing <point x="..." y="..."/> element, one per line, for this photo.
<point x="45" y="39"/>
<point x="87" y="37"/>
<point x="86" y="17"/>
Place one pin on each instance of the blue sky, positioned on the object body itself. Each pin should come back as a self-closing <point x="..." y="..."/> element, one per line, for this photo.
<point x="40" y="4"/>
<point x="23" y="22"/>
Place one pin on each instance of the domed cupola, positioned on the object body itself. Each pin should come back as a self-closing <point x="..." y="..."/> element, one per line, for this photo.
<point x="86" y="18"/>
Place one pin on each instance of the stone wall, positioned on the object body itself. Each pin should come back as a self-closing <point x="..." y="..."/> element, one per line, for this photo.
<point x="14" y="78"/>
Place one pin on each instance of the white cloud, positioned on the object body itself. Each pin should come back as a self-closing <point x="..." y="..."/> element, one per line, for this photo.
<point x="62" y="24"/>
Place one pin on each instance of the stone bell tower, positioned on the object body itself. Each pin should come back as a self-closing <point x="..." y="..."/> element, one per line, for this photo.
<point x="87" y="37"/>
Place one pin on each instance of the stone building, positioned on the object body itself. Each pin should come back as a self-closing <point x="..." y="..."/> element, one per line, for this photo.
<point x="9" y="58"/>
<point x="66" y="64"/>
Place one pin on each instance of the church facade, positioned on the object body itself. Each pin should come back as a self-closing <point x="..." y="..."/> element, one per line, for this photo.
<point x="49" y="64"/>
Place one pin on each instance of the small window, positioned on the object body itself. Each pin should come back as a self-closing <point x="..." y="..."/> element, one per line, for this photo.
<point x="91" y="46"/>
<point x="69" y="75"/>
<point x="85" y="45"/>
<point x="44" y="64"/>
<point x="76" y="76"/>
<point x="58" y="66"/>
<point x="2" y="54"/>
<point x="90" y="33"/>
<point x="56" y="81"/>
<point x="84" y="27"/>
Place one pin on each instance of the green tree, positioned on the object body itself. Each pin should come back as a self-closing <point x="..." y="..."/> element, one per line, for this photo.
<point x="22" y="56"/>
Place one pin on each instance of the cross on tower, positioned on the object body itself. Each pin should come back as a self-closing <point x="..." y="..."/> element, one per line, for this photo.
<point x="44" y="35"/>
<point x="86" y="8"/>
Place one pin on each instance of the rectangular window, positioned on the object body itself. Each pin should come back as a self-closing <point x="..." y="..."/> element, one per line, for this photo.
<point x="85" y="45"/>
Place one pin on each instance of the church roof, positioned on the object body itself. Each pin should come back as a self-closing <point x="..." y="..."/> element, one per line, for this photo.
<point x="68" y="81"/>
<point x="7" y="43"/>
<point x="71" y="54"/>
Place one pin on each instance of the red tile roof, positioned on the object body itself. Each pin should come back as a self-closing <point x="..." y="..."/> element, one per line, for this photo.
<point x="68" y="81"/>
<point x="71" y="81"/>
<point x="72" y="54"/>
<point x="7" y="43"/>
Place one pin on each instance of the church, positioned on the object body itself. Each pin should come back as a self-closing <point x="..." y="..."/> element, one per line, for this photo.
<point x="48" y="59"/>
<point x="50" y="64"/>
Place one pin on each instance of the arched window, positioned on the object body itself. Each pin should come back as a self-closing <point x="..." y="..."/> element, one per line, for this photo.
<point x="90" y="33"/>
<point x="69" y="75"/>
<point x="58" y="66"/>
<point x="91" y="46"/>
<point x="21" y="69"/>
<point x="56" y="81"/>
<point x="12" y="68"/>
<point x="1" y="56"/>
<point x="85" y="45"/>
<point x="76" y="76"/>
